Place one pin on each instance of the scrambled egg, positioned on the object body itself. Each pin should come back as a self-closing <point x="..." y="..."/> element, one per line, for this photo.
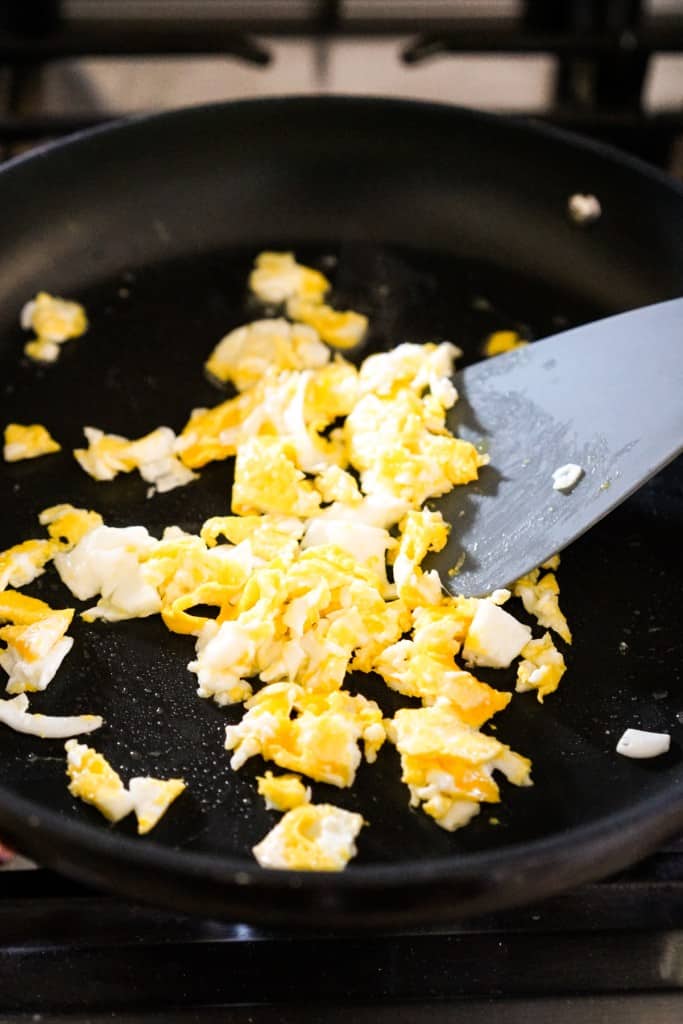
<point x="283" y="792"/>
<point x="54" y="322"/>
<point x="424" y="666"/>
<point x="421" y="531"/>
<point x="95" y="782"/>
<point x="35" y="650"/>
<point x="277" y="277"/>
<point x="267" y="479"/>
<point x="106" y="561"/>
<point x="67" y="525"/>
<point x="416" y="367"/>
<point x="495" y="637"/>
<point x="28" y="442"/>
<point x="292" y="406"/>
<point x="540" y="597"/>
<point x="34" y="634"/>
<point x="448" y="766"/>
<point x="153" y="456"/>
<point x="312" y="837"/>
<point x="503" y="341"/>
<point x="339" y="329"/>
<point x="312" y="569"/>
<point x="397" y="437"/>
<point x="23" y="563"/>
<point x="152" y="798"/>
<point x="244" y="355"/>
<point x="35" y="641"/>
<point x="15" y="714"/>
<point x="542" y="668"/>
<point x="316" y="734"/>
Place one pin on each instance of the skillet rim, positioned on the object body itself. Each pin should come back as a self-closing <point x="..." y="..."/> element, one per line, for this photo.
<point x="518" y="872"/>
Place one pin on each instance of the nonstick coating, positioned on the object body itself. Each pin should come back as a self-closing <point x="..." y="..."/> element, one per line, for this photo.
<point x="439" y="223"/>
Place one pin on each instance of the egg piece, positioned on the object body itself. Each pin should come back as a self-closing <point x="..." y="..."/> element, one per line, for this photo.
<point x="283" y="792"/>
<point x="35" y="650"/>
<point x="277" y="277"/>
<point x="106" y="456"/>
<point x="28" y="442"/>
<point x="312" y="733"/>
<point x="297" y="620"/>
<point x="641" y="743"/>
<point x="421" y="531"/>
<point x="335" y="613"/>
<point x="14" y="713"/>
<point x="495" y="637"/>
<point x="584" y="208"/>
<point x="186" y="573"/>
<point x="540" y="597"/>
<point x="367" y="544"/>
<point x="424" y="666"/>
<point x="296" y="405"/>
<point x="283" y="411"/>
<point x="41" y="350"/>
<point x="153" y="455"/>
<point x="237" y="529"/>
<point x="68" y="525"/>
<point x="448" y="766"/>
<point x="180" y="563"/>
<point x="181" y="616"/>
<point x="565" y="478"/>
<point x="339" y="329"/>
<point x="542" y="668"/>
<point x="214" y="434"/>
<point x="552" y="563"/>
<point x="267" y="479"/>
<point x="20" y="609"/>
<point x="265" y="537"/>
<point x="418" y="367"/>
<point x="107" y="561"/>
<point x="503" y="341"/>
<point x="23" y="563"/>
<point x="151" y="799"/>
<point x="331" y="393"/>
<point x="336" y="484"/>
<point x="93" y="780"/>
<point x="55" y="321"/>
<point x="414" y="671"/>
<point x="247" y="352"/>
<point x="313" y="452"/>
<point x="400" y="447"/>
<point x="381" y="510"/>
<point x="312" y="837"/>
<point x="227" y="657"/>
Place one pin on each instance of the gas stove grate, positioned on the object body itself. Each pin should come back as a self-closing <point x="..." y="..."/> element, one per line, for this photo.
<point x="90" y="953"/>
<point x="603" y="50"/>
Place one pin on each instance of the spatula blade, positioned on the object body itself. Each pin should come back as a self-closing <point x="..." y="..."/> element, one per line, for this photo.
<point x="607" y="397"/>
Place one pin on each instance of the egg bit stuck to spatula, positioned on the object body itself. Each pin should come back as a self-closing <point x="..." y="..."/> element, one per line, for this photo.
<point x="606" y="397"/>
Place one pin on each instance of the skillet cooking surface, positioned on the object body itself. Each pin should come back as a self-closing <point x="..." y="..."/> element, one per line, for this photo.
<point x="153" y="323"/>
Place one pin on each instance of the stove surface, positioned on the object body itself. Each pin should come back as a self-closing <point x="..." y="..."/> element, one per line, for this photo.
<point x="68" y="953"/>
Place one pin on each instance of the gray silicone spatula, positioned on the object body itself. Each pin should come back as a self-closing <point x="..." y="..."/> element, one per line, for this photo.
<point x="607" y="397"/>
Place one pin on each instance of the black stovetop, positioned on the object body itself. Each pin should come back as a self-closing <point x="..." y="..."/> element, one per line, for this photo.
<point x="71" y="954"/>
